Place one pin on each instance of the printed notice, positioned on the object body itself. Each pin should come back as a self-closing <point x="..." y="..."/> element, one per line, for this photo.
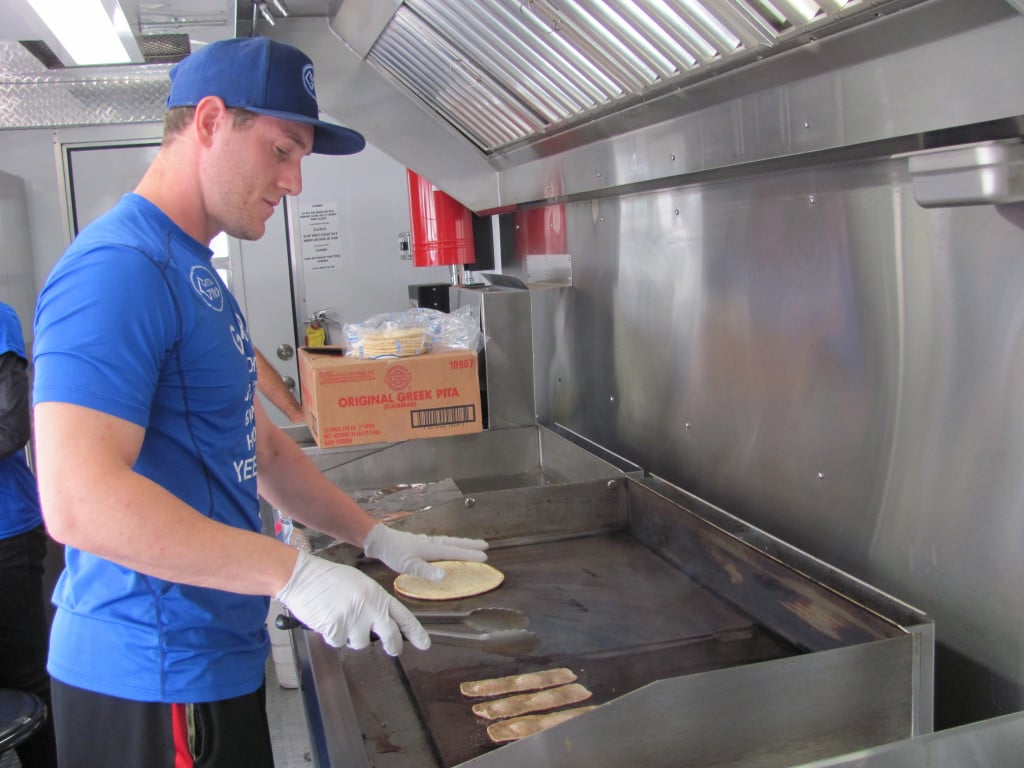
<point x="321" y="240"/>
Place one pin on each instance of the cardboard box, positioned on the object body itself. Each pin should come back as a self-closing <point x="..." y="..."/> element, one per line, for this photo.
<point x="353" y="401"/>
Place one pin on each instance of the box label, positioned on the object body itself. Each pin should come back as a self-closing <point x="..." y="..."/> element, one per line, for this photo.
<point x="442" y="417"/>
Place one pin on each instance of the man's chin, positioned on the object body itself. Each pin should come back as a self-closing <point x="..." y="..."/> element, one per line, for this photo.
<point x="250" y="232"/>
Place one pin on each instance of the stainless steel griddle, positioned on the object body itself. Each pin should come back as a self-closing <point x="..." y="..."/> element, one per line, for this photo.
<point x="685" y="623"/>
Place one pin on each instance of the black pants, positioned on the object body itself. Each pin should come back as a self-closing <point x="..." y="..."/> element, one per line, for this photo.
<point x="98" y="731"/>
<point x="24" y="636"/>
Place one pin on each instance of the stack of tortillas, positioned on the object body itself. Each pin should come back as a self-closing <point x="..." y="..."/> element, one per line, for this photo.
<point x="390" y="342"/>
<point x="533" y="692"/>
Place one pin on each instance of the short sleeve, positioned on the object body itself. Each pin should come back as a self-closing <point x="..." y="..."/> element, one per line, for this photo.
<point x="105" y="323"/>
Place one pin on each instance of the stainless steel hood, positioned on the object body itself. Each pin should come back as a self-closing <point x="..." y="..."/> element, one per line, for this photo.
<point x="506" y="72"/>
<point x="504" y="102"/>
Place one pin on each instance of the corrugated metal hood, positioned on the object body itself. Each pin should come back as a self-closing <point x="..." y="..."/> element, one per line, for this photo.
<point x="504" y="103"/>
<point x="480" y="96"/>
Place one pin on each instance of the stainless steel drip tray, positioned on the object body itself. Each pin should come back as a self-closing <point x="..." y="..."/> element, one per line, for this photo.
<point x="685" y="633"/>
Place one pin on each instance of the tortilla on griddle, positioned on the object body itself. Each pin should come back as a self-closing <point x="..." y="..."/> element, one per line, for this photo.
<point x="464" y="579"/>
<point x="529" y="681"/>
<point x="525" y="703"/>
<point x="520" y="727"/>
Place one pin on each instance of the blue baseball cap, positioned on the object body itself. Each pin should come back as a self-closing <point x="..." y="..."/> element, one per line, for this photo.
<point x="263" y="76"/>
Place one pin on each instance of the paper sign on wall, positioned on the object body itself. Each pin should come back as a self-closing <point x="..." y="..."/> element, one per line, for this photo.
<point x="321" y="239"/>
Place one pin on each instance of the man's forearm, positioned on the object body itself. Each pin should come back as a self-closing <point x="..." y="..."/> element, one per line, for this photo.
<point x="290" y="481"/>
<point x="272" y="387"/>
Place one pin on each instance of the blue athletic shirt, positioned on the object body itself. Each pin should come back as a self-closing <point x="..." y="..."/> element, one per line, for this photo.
<point x="134" y="322"/>
<point x="19" y="499"/>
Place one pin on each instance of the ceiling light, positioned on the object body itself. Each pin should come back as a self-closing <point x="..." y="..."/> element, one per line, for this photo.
<point x="91" y="31"/>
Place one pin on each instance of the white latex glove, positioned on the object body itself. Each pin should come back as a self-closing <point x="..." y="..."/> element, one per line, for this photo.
<point x="344" y="605"/>
<point x="406" y="552"/>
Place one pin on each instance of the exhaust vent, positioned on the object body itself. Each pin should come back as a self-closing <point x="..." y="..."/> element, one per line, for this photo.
<point x="503" y="72"/>
<point x="164" y="48"/>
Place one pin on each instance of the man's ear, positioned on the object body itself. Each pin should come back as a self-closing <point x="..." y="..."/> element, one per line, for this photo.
<point x="210" y="116"/>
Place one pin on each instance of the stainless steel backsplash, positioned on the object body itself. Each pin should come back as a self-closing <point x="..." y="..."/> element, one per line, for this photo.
<point x="817" y="354"/>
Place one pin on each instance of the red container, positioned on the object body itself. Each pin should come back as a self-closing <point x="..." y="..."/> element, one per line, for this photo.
<point x="442" y="227"/>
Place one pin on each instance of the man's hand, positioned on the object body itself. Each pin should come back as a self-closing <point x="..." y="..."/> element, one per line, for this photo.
<point x="345" y="605"/>
<point x="411" y="553"/>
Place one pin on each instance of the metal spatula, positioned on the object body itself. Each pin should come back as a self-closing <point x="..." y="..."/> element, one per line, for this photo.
<point x="504" y="642"/>
<point x="481" y="619"/>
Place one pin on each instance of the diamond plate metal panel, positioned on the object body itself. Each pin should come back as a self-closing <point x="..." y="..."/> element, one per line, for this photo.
<point x="32" y="96"/>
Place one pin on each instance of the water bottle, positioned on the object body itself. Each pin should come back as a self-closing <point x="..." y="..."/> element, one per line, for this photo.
<point x="287" y="531"/>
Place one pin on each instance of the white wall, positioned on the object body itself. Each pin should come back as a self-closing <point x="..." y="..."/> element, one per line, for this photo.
<point x="369" y="192"/>
<point x="16" y="268"/>
<point x="29" y="155"/>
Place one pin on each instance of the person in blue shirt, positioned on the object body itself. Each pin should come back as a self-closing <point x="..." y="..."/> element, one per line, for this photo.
<point x="151" y="445"/>
<point x="23" y="624"/>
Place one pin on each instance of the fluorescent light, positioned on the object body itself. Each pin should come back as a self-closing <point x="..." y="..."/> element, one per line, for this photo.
<point x="89" y="30"/>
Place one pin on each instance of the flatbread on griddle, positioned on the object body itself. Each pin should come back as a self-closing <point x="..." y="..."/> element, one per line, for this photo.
<point x="464" y="579"/>
<point x="525" y="703"/>
<point x="530" y="681"/>
<point x="527" y="725"/>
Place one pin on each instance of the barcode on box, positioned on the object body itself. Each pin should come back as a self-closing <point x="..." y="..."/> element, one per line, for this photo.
<point x="443" y="417"/>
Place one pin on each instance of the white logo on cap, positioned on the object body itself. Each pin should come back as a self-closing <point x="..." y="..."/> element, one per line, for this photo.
<point x="307" y="80"/>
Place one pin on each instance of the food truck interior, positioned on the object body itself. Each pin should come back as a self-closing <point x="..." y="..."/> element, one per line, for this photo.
<point x="750" y="291"/>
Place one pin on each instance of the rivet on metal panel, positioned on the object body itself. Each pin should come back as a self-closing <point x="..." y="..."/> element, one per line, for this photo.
<point x="810" y="199"/>
<point x="821" y="475"/>
<point x="612" y="485"/>
<point x="686" y="425"/>
<point x="470" y="502"/>
<point x="676" y="211"/>
<point x="672" y="157"/>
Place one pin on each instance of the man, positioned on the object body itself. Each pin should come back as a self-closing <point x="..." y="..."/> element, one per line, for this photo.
<point x="22" y="545"/>
<point x="272" y="386"/>
<point x="149" y="436"/>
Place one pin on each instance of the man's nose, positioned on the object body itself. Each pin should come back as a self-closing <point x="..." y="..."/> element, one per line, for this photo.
<point x="291" y="180"/>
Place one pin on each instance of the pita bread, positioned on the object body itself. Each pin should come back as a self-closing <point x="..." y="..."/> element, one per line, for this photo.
<point x="464" y="579"/>
<point x="394" y="342"/>
<point x="527" y="725"/>
<point x="530" y="681"/>
<point x="525" y="703"/>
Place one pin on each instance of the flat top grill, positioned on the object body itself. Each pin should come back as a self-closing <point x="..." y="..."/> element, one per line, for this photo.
<point x="669" y="610"/>
<point x="605" y="606"/>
